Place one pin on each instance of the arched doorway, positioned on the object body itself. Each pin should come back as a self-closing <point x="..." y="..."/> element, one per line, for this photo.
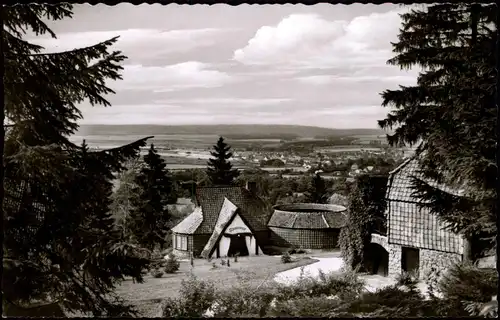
<point x="377" y="260"/>
<point x="237" y="245"/>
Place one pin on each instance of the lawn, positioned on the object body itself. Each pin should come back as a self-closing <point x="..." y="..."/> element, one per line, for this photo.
<point x="147" y="296"/>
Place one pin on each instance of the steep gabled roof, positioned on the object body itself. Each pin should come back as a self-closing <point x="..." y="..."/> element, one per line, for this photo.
<point x="400" y="189"/>
<point x="190" y="224"/>
<point x="410" y="225"/>
<point x="226" y="214"/>
<point x="211" y="200"/>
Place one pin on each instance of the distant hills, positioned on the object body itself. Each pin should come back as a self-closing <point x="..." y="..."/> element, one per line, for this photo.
<point x="300" y="131"/>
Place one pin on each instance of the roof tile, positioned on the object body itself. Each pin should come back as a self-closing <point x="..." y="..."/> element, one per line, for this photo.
<point x="323" y="218"/>
<point x="408" y="223"/>
<point x="252" y="208"/>
<point x="190" y="224"/>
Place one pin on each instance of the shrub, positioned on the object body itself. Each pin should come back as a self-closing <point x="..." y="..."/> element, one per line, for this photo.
<point x="286" y="258"/>
<point x="431" y="279"/>
<point x="171" y="264"/>
<point x="391" y="302"/>
<point x="465" y="284"/>
<point x="157" y="273"/>
<point x="466" y="291"/>
<point x="195" y="298"/>
<point x="407" y="280"/>
<point x="304" y="307"/>
<point x="222" y="262"/>
<point x="244" y="301"/>
<point x="344" y="286"/>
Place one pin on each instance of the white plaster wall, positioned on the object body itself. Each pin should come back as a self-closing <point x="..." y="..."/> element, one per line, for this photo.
<point x="237" y="226"/>
<point x="251" y="245"/>
<point x="224" y="246"/>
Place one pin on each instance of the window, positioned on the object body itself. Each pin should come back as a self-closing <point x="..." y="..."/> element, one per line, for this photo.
<point x="181" y="242"/>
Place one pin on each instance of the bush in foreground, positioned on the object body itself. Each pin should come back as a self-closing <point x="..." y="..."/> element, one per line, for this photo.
<point x="339" y="295"/>
<point x="466" y="285"/>
<point x="195" y="298"/>
<point x="172" y="264"/>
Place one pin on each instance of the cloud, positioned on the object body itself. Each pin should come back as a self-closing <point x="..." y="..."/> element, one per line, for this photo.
<point x="329" y="80"/>
<point x="173" y="115"/>
<point x="191" y="74"/>
<point x="228" y="102"/>
<point x="138" y="44"/>
<point x="118" y="114"/>
<point x="309" y="41"/>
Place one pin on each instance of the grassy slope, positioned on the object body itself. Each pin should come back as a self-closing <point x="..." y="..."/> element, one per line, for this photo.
<point x="147" y="296"/>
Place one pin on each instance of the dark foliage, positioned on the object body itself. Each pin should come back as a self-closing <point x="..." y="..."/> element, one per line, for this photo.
<point x="220" y="170"/>
<point x="466" y="283"/>
<point x="317" y="191"/>
<point x="286" y="258"/>
<point x="61" y="248"/>
<point x="451" y="110"/>
<point x="149" y="220"/>
<point x="365" y="216"/>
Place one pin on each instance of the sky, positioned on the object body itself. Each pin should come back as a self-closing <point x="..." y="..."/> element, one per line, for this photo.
<point x="322" y="65"/>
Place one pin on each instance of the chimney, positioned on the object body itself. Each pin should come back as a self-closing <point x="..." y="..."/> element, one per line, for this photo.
<point x="252" y="186"/>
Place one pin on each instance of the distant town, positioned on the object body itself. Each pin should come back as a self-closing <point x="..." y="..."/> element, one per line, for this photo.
<point x="285" y="154"/>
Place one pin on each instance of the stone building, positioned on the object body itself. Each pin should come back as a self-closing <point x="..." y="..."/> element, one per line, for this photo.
<point x="415" y="239"/>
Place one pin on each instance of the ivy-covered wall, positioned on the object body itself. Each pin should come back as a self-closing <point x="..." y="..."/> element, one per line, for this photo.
<point x="365" y="216"/>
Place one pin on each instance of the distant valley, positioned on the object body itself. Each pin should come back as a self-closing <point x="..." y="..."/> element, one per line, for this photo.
<point x="224" y="130"/>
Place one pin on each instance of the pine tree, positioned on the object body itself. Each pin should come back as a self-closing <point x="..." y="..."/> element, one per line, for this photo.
<point x="220" y="170"/>
<point x="121" y="205"/>
<point x="148" y="222"/>
<point x="317" y="191"/>
<point x="451" y="111"/>
<point x="61" y="250"/>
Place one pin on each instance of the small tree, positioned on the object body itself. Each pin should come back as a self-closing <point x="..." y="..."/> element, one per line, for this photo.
<point x="149" y="220"/>
<point x="220" y="170"/>
<point x="317" y="192"/>
<point x="121" y="205"/>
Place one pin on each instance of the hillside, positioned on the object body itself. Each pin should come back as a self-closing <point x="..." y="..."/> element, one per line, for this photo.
<point x="300" y="131"/>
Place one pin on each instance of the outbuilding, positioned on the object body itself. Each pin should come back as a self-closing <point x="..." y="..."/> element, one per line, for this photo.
<point x="307" y="225"/>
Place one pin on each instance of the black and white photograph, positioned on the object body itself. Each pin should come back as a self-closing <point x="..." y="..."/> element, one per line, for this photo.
<point x="230" y="161"/>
